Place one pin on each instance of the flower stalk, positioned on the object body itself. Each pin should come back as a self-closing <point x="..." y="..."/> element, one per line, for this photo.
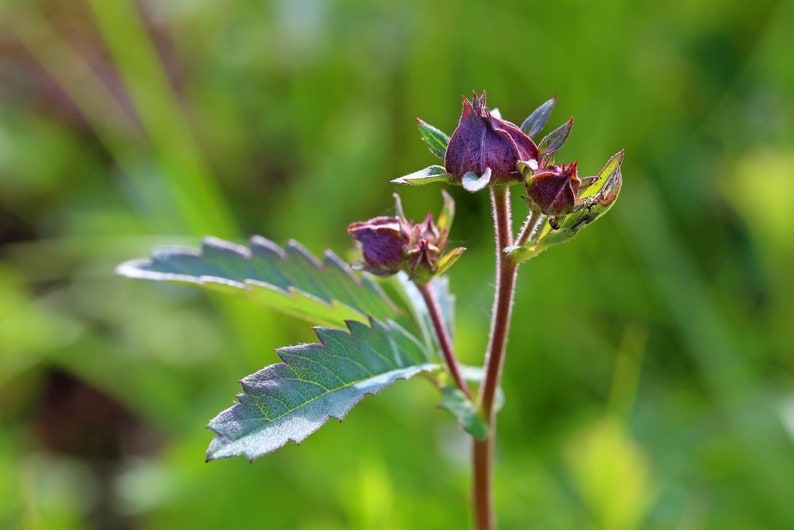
<point x="506" y="269"/>
<point x="444" y="341"/>
<point x="531" y="225"/>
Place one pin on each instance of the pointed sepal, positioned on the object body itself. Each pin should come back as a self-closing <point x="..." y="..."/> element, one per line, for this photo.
<point x="424" y="176"/>
<point x="553" y="141"/>
<point x="447" y="214"/>
<point x="435" y="139"/>
<point x="448" y="260"/>
<point x="538" y="118"/>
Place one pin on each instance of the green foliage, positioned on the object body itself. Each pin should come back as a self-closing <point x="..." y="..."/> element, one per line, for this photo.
<point x="315" y="382"/>
<point x="428" y="175"/>
<point x="435" y="139"/>
<point x="290" y="401"/>
<point x="290" y="280"/>
<point x="296" y="116"/>
<point x="465" y="411"/>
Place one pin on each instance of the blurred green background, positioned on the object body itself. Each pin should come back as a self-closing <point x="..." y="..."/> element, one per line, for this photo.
<point x="649" y="376"/>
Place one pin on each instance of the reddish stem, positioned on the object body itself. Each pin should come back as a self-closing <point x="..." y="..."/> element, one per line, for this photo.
<point x="530" y="225"/>
<point x="482" y="453"/>
<point x="443" y="337"/>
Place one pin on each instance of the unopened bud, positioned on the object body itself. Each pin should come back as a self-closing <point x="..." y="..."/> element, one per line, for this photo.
<point x="393" y="244"/>
<point x="553" y="190"/>
<point x="485" y="142"/>
<point x="383" y="242"/>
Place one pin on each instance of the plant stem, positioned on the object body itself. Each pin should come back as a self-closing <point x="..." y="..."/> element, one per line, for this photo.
<point x="482" y="467"/>
<point x="482" y="452"/>
<point x="528" y="230"/>
<point x="443" y="337"/>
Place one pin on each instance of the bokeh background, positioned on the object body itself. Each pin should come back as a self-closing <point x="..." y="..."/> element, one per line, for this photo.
<point x="649" y="378"/>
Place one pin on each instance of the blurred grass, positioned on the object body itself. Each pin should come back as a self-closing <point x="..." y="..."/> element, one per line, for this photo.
<point x="649" y="379"/>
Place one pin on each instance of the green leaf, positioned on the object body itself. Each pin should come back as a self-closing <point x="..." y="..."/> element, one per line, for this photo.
<point x="290" y="280"/>
<point x="291" y="400"/>
<point x="535" y="121"/>
<point x="604" y="177"/>
<point x="464" y="410"/>
<point x="476" y="375"/>
<point x="424" y="176"/>
<point x="552" y="142"/>
<point x="435" y="139"/>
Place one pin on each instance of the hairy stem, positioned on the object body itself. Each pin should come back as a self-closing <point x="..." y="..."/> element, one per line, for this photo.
<point x="530" y="225"/>
<point x="443" y="337"/>
<point x="482" y="453"/>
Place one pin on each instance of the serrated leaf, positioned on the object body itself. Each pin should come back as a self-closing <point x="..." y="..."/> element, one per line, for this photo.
<point x="291" y="400"/>
<point x="538" y="118"/>
<point x="465" y="412"/>
<point x="552" y="142"/>
<point x="424" y="176"/>
<point x="290" y="280"/>
<point x="436" y="140"/>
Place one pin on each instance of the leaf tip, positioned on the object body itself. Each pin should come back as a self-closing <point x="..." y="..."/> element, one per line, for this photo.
<point x="130" y="268"/>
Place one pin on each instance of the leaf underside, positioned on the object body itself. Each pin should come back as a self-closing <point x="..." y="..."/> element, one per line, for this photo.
<point x="424" y="176"/>
<point x="291" y="400"/>
<point x="290" y="280"/>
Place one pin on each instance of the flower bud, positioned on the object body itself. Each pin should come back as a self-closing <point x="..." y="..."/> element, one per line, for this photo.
<point x="485" y="142"/>
<point x="383" y="243"/>
<point x="393" y="244"/>
<point x="553" y="189"/>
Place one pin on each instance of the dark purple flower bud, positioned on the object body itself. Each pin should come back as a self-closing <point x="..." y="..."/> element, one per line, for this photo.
<point x="393" y="244"/>
<point x="553" y="189"/>
<point x="483" y="142"/>
<point x="383" y="243"/>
